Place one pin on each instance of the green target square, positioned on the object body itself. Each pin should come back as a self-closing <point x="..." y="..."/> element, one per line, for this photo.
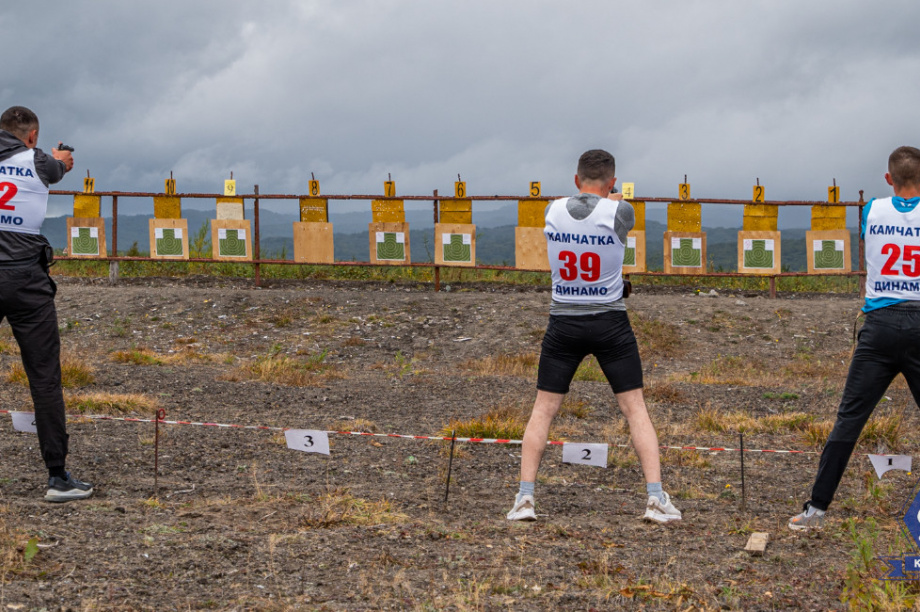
<point x="686" y="252"/>
<point x="629" y="257"/>
<point x="391" y="246"/>
<point x="457" y="248"/>
<point x="759" y="253"/>
<point x="84" y="241"/>
<point x="828" y="254"/>
<point x="231" y="242"/>
<point x="168" y="241"/>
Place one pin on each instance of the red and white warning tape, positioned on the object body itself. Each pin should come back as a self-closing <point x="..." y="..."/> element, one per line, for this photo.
<point x="714" y="449"/>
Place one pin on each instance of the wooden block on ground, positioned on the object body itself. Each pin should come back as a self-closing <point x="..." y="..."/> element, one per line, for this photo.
<point x="757" y="543"/>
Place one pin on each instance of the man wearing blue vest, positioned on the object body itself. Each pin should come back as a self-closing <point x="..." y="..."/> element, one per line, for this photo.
<point x="586" y="238"/>
<point x="889" y="341"/>
<point x="27" y="290"/>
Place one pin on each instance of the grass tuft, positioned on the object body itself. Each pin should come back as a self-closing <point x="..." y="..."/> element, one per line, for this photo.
<point x="74" y="373"/>
<point x="111" y="402"/>
<point x="504" y="365"/>
<point x="284" y="370"/>
<point x="339" y="507"/>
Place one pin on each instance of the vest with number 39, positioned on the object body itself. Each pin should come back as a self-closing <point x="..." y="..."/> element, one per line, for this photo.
<point x="585" y="255"/>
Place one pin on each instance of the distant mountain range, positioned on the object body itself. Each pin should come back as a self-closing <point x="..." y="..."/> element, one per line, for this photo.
<point x="494" y="237"/>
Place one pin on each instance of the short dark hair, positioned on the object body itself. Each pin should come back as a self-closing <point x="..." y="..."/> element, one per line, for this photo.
<point x="596" y="165"/>
<point x="904" y="166"/>
<point x="18" y="121"/>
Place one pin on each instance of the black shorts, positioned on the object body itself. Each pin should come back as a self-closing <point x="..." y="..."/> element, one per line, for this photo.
<point x="607" y="336"/>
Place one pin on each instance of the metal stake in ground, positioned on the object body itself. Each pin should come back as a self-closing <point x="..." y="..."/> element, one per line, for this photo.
<point x="160" y="416"/>
<point x="450" y="463"/>
<point x="743" y="494"/>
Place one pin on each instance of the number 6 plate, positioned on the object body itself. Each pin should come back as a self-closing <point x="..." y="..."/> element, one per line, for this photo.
<point x="307" y="440"/>
<point x="585" y="454"/>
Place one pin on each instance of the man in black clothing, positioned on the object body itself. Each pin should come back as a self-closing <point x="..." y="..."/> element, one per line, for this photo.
<point x="27" y="290"/>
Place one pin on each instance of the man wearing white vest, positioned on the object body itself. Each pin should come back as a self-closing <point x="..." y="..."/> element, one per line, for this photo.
<point x="889" y="341"/>
<point x="586" y="238"/>
<point x="27" y="290"/>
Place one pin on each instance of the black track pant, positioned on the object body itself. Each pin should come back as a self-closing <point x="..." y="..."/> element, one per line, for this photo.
<point x="27" y="302"/>
<point x="889" y="344"/>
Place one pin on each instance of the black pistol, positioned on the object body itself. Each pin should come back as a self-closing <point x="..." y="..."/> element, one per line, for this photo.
<point x="63" y="147"/>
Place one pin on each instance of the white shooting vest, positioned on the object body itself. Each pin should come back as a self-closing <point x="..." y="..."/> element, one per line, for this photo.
<point x="586" y="256"/>
<point x="892" y="252"/>
<point x="23" y="196"/>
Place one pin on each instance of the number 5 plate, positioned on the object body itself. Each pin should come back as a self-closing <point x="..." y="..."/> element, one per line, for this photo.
<point x="307" y="440"/>
<point x="585" y="454"/>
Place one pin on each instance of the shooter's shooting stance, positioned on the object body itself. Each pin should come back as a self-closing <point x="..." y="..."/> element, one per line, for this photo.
<point x="27" y="289"/>
<point x="889" y="341"/>
<point x="586" y="238"/>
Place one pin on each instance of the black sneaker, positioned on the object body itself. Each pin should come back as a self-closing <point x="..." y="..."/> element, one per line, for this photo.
<point x="67" y="488"/>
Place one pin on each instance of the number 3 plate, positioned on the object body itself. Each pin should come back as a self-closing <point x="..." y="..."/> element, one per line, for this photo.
<point x="307" y="440"/>
<point x="585" y="454"/>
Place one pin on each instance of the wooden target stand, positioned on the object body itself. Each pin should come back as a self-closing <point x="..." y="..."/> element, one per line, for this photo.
<point x="684" y="242"/>
<point x="86" y="229"/>
<point x="635" y="258"/>
<point x="828" y="241"/>
<point x="313" y="239"/>
<point x="231" y="233"/>
<point x="529" y="240"/>
<point x="168" y="230"/>
<point x="455" y="234"/>
<point x="759" y="242"/>
<point x="388" y="232"/>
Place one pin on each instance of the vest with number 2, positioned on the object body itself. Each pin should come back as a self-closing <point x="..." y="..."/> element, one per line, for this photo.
<point x="23" y="196"/>
<point x="892" y="252"/>
<point x="586" y="256"/>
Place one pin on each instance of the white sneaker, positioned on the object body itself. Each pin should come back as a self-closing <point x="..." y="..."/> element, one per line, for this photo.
<point x="661" y="512"/>
<point x="523" y="510"/>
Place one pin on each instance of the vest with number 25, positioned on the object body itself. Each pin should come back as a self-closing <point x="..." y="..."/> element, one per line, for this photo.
<point x="892" y="252"/>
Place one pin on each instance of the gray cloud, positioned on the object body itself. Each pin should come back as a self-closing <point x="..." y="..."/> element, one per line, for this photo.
<point x="795" y="94"/>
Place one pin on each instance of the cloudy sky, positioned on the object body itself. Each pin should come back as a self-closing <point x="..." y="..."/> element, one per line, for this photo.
<point x="502" y="92"/>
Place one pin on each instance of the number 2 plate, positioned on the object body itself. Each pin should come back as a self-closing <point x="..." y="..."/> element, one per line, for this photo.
<point x="585" y="454"/>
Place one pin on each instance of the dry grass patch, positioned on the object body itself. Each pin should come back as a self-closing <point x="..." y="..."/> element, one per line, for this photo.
<point x="712" y="420"/>
<point x="656" y="338"/>
<point x="668" y="393"/>
<point x="107" y="403"/>
<point x="504" y="365"/>
<point x="339" y="507"/>
<point x="357" y="425"/>
<point x="284" y="370"/>
<point x="504" y="423"/>
<point x="74" y="373"/>
<point x="685" y="458"/>
<point x="137" y="357"/>
<point x="590" y="370"/>
<point x="804" y="369"/>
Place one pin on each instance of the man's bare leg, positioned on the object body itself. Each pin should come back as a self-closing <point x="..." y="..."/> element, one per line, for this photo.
<point x="535" y="436"/>
<point x="642" y="432"/>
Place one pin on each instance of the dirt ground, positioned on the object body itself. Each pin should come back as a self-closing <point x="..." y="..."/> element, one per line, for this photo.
<point x="240" y="522"/>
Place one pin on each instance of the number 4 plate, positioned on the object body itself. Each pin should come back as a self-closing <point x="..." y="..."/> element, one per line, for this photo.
<point x="585" y="454"/>
<point x="307" y="440"/>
